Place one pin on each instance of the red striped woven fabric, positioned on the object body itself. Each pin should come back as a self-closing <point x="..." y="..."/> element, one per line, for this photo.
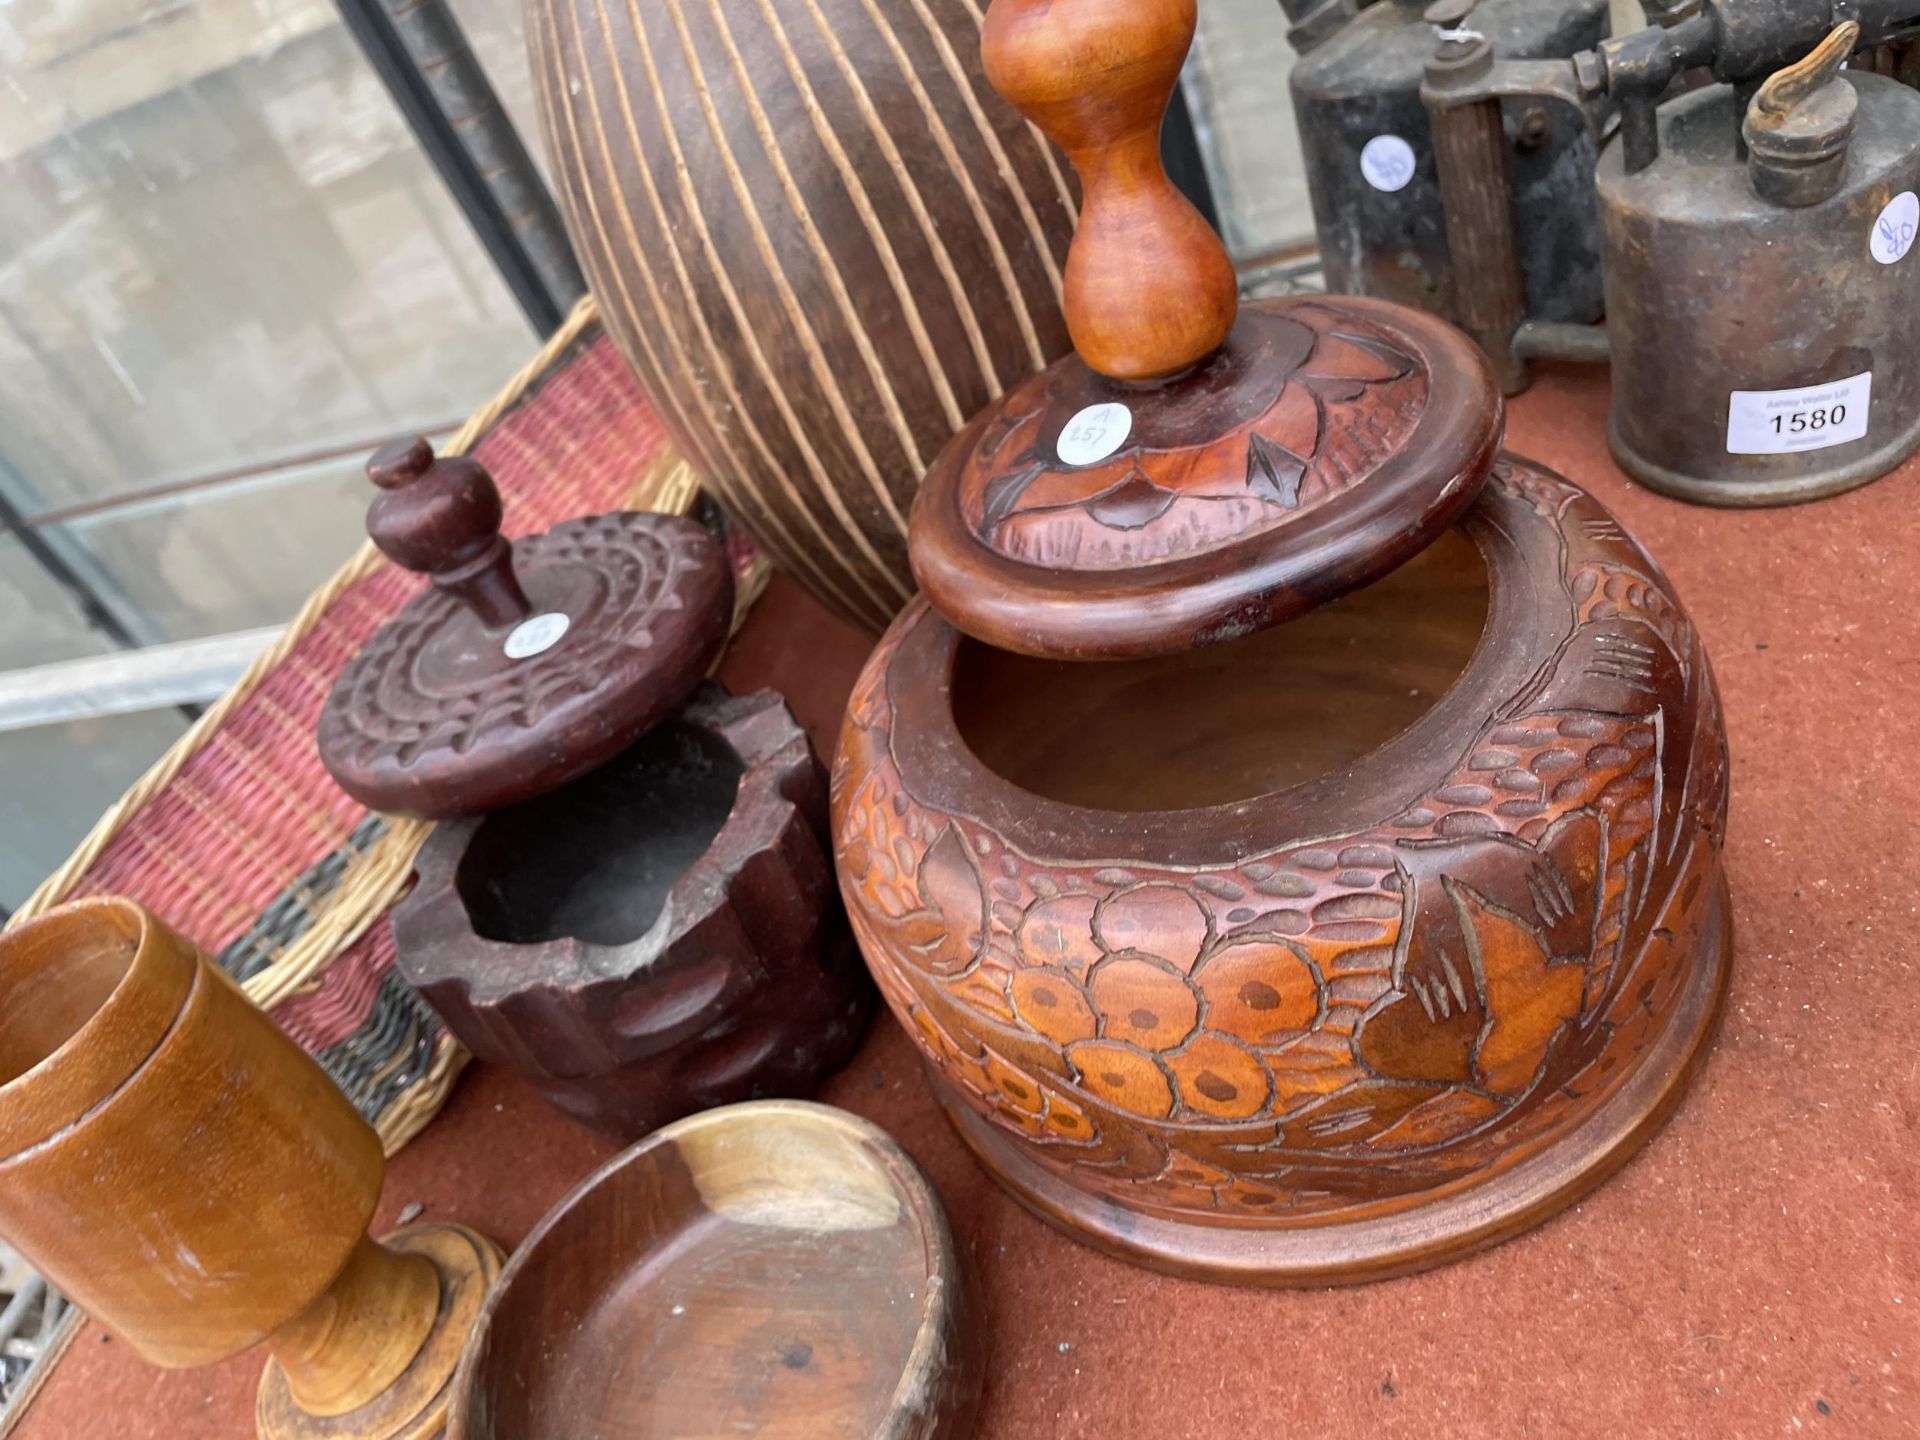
<point x="253" y="809"/>
<point x="339" y="1006"/>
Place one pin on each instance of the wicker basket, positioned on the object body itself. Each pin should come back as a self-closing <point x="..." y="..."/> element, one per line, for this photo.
<point x="240" y="838"/>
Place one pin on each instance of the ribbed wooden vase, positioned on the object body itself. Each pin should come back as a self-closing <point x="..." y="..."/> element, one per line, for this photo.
<point x="820" y="239"/>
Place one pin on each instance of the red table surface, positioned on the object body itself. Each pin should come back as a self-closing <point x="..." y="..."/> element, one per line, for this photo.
<point x="1756" y="1271"/>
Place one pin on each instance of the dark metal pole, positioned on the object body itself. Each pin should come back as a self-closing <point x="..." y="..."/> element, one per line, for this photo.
<point x="110" y="614"/>
<point x="73" y="568"/>
<point x="1180" y="153"/>
<point x="421" y="55"/>
<point x="1470" y="153"/>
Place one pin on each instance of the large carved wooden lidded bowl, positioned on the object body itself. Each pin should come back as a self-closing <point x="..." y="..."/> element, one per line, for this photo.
<point x="1282" y="952"/>
<point x="1198" y="978"/>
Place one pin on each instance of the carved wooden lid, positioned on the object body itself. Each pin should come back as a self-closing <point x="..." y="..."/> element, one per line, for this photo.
<point x="525" y="664"/>
<point x="1197" y="470"/>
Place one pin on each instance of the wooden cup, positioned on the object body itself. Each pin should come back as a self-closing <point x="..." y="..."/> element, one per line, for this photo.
<point x="190" y="1178"/>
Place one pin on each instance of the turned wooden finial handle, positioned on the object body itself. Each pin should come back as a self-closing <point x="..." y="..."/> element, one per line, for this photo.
<point x="1149" y="288"/>
<point x="441" y="517"/>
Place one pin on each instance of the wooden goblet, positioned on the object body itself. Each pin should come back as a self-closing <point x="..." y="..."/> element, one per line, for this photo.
<point x="191" y="1179"/>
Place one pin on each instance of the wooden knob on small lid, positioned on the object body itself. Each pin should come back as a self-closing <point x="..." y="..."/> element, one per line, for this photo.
<point x="441" y="517"/>
<point x="1150" y="291"/>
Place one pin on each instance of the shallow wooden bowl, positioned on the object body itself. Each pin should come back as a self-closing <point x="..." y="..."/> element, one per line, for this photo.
<point x="770" y="1269"/>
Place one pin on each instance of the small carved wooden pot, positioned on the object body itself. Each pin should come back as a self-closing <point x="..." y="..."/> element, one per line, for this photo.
<point x="629" y="900"/>
<point x="1364" y="903"/>
<point x="656" y="938"/>
<point x="197" y="1184"/>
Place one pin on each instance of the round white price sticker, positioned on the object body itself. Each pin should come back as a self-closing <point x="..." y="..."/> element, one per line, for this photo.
<point x="1094" y="434"/>
<point x="1387" y="163"/>
<point x="1894" y="231"/>
<point x="532" y="637"/>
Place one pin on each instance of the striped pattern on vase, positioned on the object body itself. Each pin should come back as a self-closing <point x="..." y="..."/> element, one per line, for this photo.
<point x="821" y="241"/>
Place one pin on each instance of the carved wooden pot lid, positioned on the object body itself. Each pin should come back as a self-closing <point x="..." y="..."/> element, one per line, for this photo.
<point x="1196" y="470"/>
<point x="524" y="665"/>
<point x="1323" y="444"/>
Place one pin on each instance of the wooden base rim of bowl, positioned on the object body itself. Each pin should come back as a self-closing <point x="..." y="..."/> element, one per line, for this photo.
<point x="414" y="1406"/>
<point x="1455" y="1224"/>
